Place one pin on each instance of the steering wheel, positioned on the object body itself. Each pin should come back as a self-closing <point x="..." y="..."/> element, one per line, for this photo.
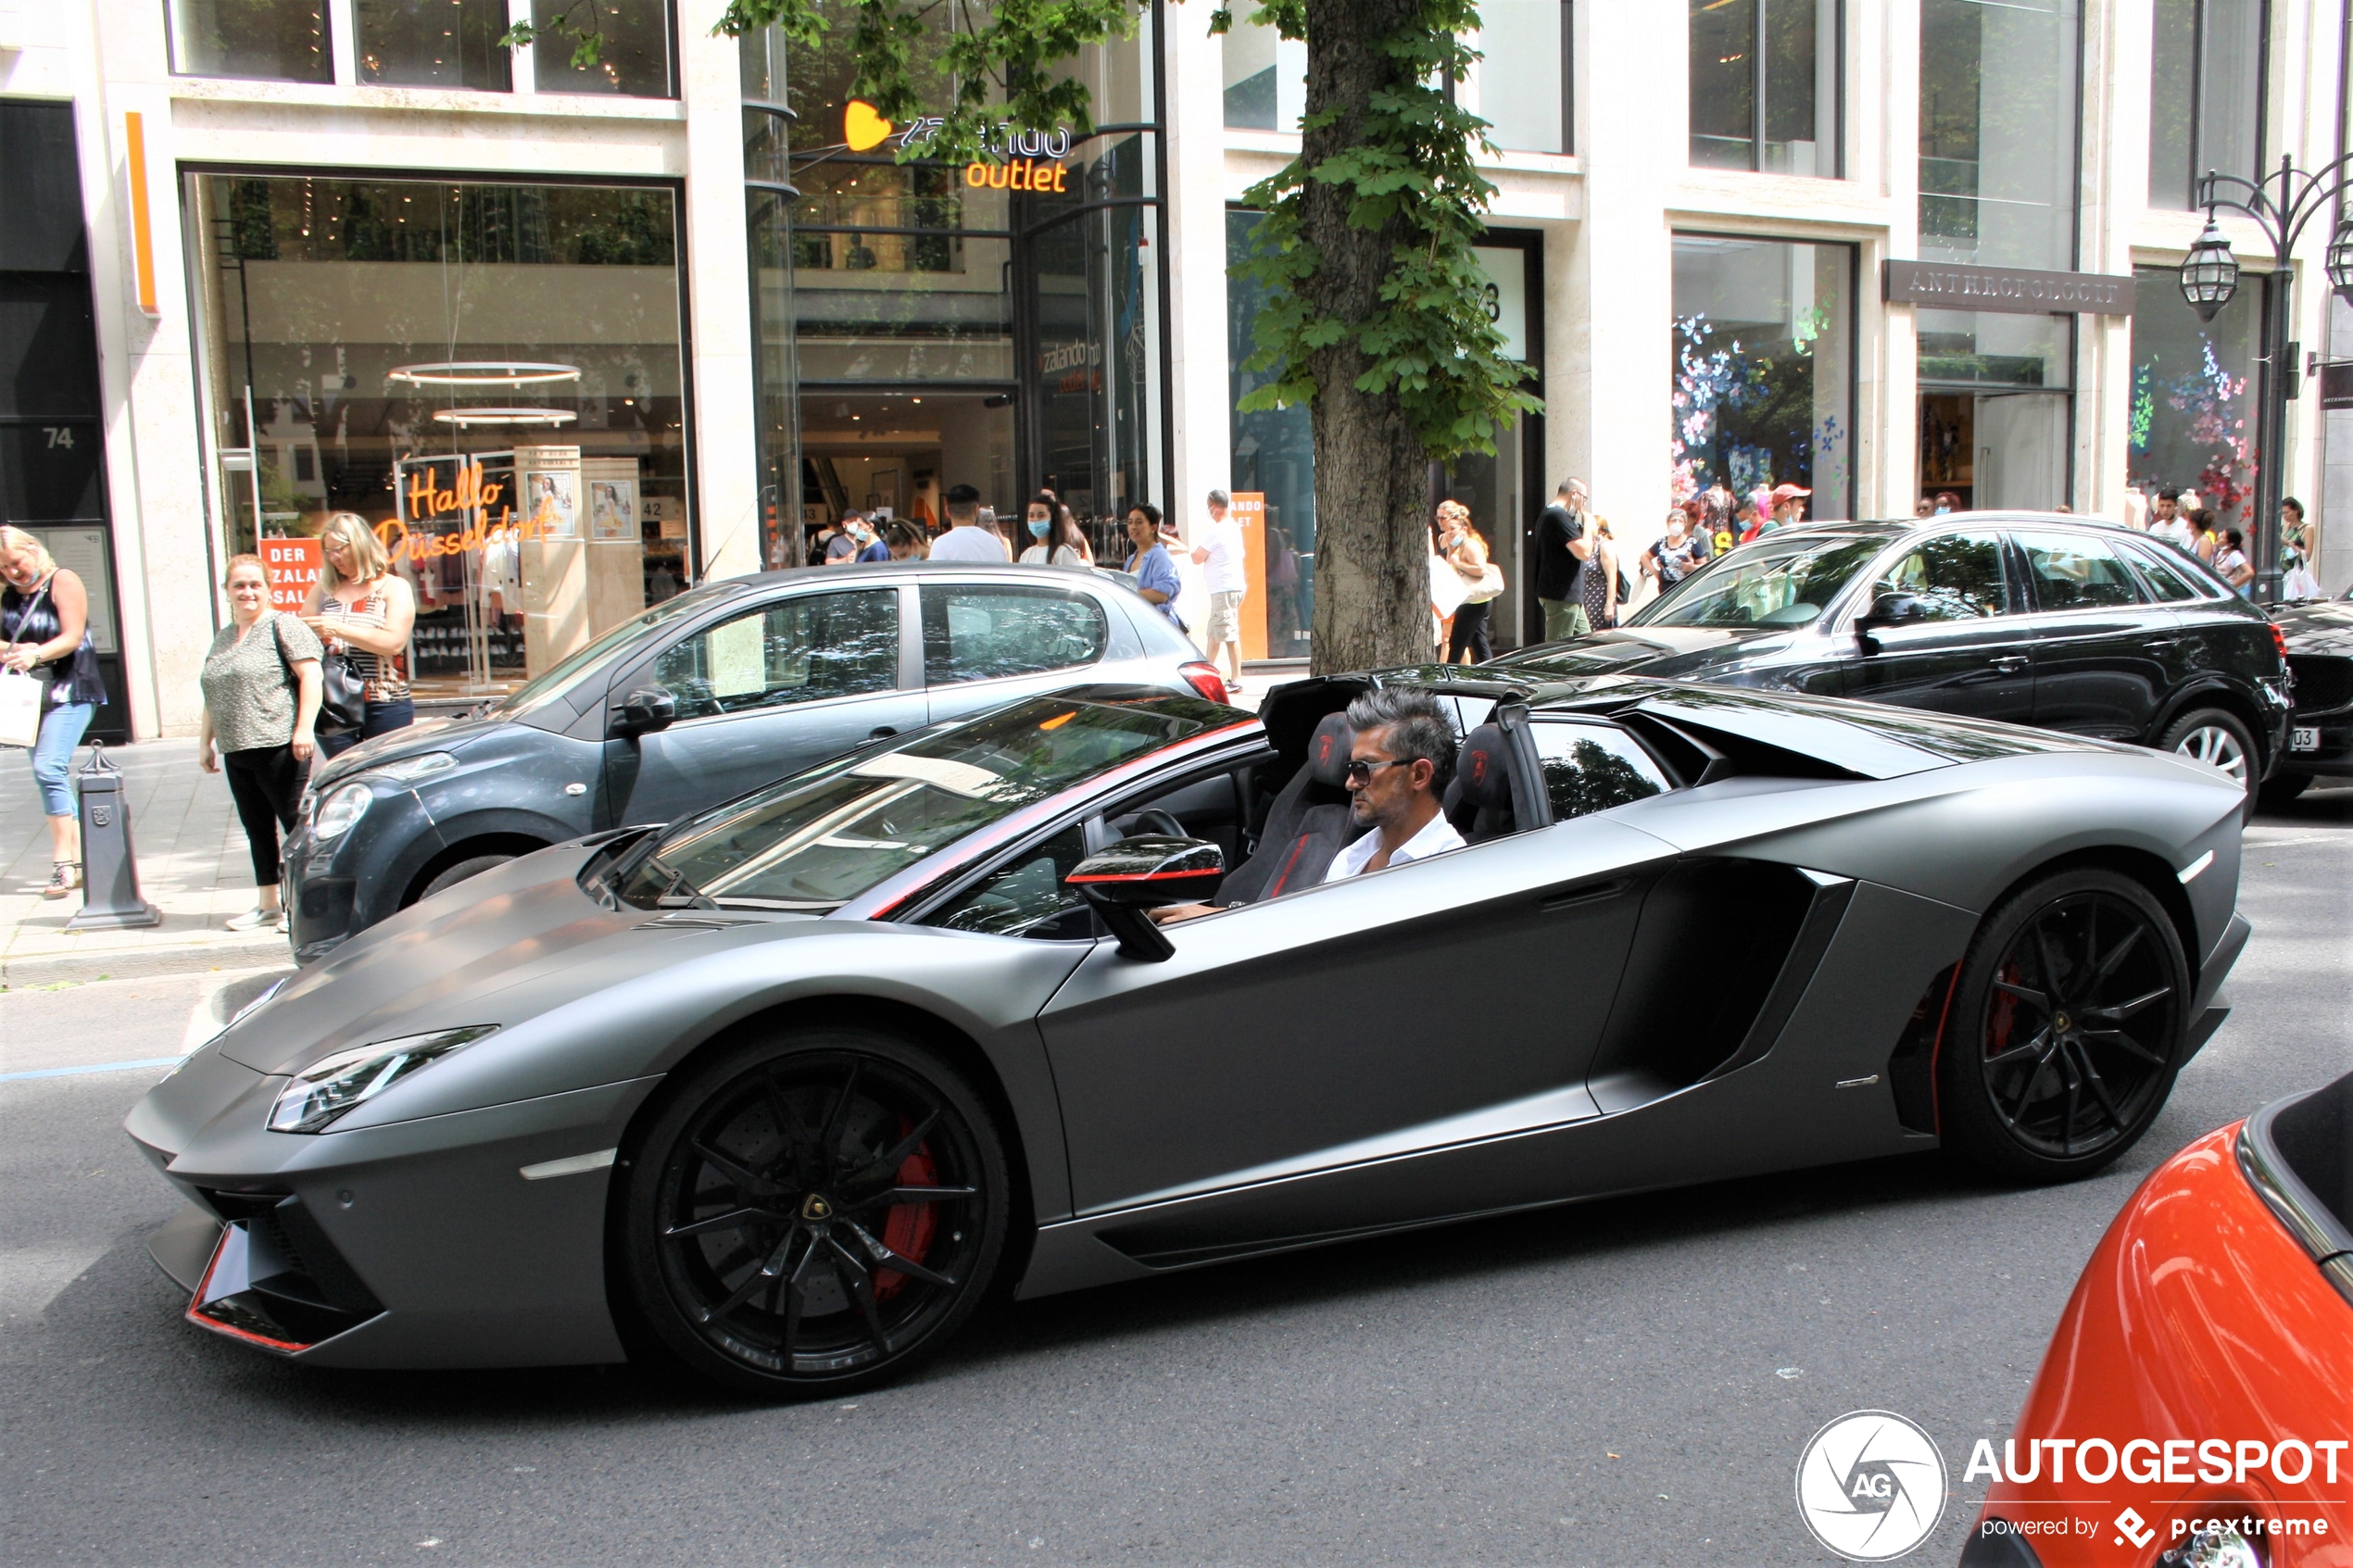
<point x="1154" y="819"/>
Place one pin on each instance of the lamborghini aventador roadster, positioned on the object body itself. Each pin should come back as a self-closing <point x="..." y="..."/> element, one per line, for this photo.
<point x="784" y="1088"/>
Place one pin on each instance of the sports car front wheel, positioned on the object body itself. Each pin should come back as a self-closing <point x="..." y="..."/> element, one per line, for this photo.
<point x="2064" y="1030"/>
<point x="812" y="1213"/>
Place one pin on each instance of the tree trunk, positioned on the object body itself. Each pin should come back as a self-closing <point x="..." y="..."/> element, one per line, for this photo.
<point x="1372" y="542"/>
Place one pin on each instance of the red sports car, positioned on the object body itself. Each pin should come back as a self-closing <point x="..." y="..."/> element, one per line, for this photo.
<point x="2196" y="1407"/>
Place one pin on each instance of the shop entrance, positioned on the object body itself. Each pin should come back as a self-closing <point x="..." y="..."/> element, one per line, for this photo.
<point x="1995" y="451"/>
<point x="900" y="451"/>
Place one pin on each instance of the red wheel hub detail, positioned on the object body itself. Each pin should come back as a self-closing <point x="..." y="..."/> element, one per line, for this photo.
<point x="908" y="1228"/>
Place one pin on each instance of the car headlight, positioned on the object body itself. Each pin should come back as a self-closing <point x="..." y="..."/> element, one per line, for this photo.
<point x="333" y="1084"/>
<point x="342" y="808"/>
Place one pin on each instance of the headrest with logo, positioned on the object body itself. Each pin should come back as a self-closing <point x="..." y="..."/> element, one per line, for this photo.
<point x="1328" y="750"/>
<point x="1483" y="769"/>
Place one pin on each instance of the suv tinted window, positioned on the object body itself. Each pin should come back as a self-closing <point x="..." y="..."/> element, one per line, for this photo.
<point x="2168" y="583"/>
<point x="802" y="649"/>
<point x="985" y="631"/>
<point x="2074" y="571"/>
<point x="1956" y="578"/>
<point x="1590" y="768"/>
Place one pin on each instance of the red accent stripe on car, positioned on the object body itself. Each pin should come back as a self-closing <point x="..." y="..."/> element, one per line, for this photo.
<point x="1148" y="876"/>
<point x="1297" y="847"/>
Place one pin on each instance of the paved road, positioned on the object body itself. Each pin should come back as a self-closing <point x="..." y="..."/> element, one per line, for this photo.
<point x="1623" y="1384"/>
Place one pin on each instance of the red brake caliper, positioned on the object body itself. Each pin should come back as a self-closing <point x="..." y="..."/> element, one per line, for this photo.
<point x="908" y="1227"/>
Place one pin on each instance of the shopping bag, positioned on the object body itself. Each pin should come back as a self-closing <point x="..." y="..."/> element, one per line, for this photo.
<point x="1447" y="588"/>
<point x="20" y="708"/>
<point x="2300" y="583"/>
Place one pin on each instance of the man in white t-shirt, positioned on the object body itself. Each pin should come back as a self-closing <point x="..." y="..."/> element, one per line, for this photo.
<point x="965" y="538"/>
<point x="1220" y="552"/>
<point x="2170" y="525"/>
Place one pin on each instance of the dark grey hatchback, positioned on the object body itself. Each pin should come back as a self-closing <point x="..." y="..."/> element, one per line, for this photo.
<point x="2058" y="622"/>
<point x="702" y="698"/>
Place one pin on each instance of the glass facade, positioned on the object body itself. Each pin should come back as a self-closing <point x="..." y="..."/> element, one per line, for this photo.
<point x="634" y="62"/>
<point x="489" y="373"/>
<point x="1521" y="84"/>
<point x="1273" y="456"/>
<point x="1765" y="85"/>
<point x="1999" y="86"/>
<point x="1763" y="346"/>
<point x="2195" y="384"/>
<point x="996" y="324"/>
<point x="768" y="197"/>
<point x="433" y="44"/>
<point x="1266" y="76"/>
<point x="2206" y="95"/>
<point x="265" y="39"/>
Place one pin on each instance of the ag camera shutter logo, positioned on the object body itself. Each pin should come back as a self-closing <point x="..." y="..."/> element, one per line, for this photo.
<point x="1870" y="1485"/>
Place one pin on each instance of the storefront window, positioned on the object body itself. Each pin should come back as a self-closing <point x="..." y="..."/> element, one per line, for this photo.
<point x="1763" y="85"/>
<point x="2206" y="95"/>
<point x="996" y="323"/>
<point x="1763" y="347"/>
<point x="2194" y="388"/>
<point x="265" y="39"/>
<point x="489" y="373"/>
<point x="434" y="43"/>
<point x="633" y="60"/>
<point x="1274" y="457"/>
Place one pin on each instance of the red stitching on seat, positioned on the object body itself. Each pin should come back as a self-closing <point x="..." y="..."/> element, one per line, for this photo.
<point x="1297" y="847"/>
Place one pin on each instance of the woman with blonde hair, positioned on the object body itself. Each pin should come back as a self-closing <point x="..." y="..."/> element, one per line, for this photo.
<point x="1465" y="551"/>
<point x="260" y="683"/>
<point x="45" y="625"/>
<point x="1597" y="581"/>
<point x="363" y="611"/>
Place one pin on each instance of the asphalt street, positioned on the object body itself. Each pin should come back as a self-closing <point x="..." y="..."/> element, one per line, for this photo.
<point x="1622" y="1382"/>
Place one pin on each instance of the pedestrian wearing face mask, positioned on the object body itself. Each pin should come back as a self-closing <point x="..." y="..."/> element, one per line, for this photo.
<point x="872" y="545"/>
<point x="1054" y="539"/>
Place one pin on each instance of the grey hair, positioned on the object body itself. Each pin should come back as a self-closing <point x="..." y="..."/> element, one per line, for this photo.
<point x="1417" y="727"/>
<point x="1219" y="498"/>
<point x="1574" y="487"/>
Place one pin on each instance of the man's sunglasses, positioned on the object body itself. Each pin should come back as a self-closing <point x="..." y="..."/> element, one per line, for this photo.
<point x="1362" y="772"/>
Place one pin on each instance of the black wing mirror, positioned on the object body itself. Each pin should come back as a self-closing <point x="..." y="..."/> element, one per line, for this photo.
<point x="1125" y="879"/>
<point x="1890" y="609"/>
<point x="645" y="710"/>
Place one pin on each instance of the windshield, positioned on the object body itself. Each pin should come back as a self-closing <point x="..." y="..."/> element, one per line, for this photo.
<point x="560" y="681"/>
<point x="820" y="838"/>
<point x="1767" y="583"/>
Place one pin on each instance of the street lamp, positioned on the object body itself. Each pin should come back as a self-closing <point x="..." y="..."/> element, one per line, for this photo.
<point x="2282" y="206"/>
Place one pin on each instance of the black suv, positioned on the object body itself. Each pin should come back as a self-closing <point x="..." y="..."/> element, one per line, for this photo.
<point x="2319" y="736"/>
<point x="2060" y="621"/>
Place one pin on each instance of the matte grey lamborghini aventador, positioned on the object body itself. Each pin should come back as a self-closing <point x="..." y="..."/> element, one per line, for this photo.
<point x="784" y="1088"/>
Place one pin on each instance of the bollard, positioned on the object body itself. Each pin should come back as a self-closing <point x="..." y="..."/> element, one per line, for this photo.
<point x="110" y="870"/>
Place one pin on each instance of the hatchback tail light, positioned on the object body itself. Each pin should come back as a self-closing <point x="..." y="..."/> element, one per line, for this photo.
<point x="2279" y="639"/>
<point x="1204" y="679"/>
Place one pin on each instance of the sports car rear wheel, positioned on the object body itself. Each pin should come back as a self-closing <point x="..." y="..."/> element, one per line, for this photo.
<point x="2066" y="1030"/>
<point x="814" y="1212"/>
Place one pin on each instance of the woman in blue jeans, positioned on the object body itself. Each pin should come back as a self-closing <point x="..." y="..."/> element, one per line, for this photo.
<point x="45" y="625"/>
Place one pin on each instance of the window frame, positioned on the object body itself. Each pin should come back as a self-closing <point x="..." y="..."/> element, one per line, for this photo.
<point x="2199" y="158"/>
<point x="2147" y="599"/>
<point x="1670" y="777"/>
<point x="1759" y="87"/>
<point x="2013" y="562"/>
<point x="1059" y="591"/>
<point x="643" y="671"/>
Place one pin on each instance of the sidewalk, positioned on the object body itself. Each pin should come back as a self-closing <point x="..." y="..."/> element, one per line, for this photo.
<point x="193" y="865"/>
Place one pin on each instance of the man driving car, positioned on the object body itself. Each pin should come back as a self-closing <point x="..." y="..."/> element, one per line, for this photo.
<point x="1402" y="759"/>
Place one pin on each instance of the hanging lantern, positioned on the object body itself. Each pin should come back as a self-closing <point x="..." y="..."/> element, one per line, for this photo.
<point x="2210" y="273"/>
<point x="2341" y="259"/>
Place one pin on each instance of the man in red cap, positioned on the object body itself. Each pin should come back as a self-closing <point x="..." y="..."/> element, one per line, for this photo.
<point x="1788" y="505"/>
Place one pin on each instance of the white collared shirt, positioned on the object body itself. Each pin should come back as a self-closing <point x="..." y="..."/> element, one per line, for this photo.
<point x="1438" y="836"/>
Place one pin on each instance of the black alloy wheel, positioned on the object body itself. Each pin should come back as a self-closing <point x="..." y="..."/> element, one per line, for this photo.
<point x="815" y="1212"/>
<point x="2067" y="1028"/>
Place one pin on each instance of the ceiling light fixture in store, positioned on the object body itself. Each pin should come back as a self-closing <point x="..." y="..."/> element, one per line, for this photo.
<point x="466" y="419"/>
<point x="483" y="373"/>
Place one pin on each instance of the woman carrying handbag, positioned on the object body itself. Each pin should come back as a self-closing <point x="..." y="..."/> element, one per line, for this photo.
<point x="363" y="613"/>
<point x="44" y="623"/>
<point x="260" y="700"/>
<point x="1466" y="552"/>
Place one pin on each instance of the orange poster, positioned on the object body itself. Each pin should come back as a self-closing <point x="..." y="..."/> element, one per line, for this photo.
<point x="293" y="565"/>
<point x="1249" y="511"/>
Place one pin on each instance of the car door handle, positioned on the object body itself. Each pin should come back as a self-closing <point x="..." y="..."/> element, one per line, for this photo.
<point x="1592" y="893"/>
<point x="879" y="731"/>
<point x="2011" y="663"/>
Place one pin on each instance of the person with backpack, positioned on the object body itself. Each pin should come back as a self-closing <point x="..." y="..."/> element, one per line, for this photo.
<point x="261" y="688"/>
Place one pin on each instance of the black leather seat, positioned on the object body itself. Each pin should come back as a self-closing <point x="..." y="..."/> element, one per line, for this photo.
<point x="1304" y="828"/>
<point x="1482" y="800"/>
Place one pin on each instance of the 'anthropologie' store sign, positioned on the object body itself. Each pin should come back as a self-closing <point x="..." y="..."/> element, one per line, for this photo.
<point x="1951" y="285"/>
